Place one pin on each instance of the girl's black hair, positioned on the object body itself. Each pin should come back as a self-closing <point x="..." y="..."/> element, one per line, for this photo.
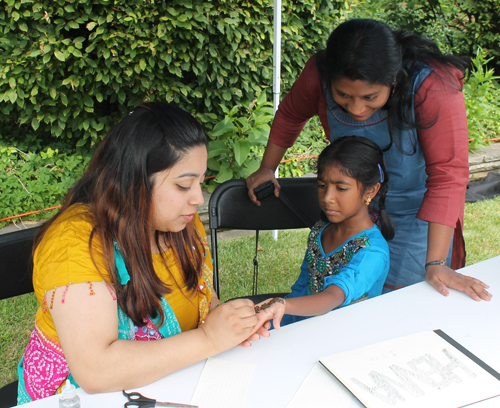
<point x="368" y="50"/>
<point x="361" y="159"/>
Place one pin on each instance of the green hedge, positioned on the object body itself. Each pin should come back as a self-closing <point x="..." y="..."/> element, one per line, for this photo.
<point x="71" y="68"/>
<point x="459" y="26"/>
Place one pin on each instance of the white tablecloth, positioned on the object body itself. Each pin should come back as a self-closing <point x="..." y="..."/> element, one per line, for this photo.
<point x="285" y="359"/>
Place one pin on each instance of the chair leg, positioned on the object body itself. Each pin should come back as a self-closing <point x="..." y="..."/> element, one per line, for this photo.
<point x="8" y="395"/>
<point x="215" y="261"/>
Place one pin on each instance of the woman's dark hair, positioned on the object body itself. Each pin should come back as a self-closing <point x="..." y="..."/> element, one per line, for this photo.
<point x="361" y="159"/>
<point x="117" y="187"/>
<point x="368" y="50"/>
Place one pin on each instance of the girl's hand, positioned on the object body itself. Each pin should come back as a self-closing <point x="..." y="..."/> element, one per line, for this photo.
<point x="442" y="278"/>
<point x="230" y="324"/>
<point x="259" y="177"/>
<point x="274" y="309"/>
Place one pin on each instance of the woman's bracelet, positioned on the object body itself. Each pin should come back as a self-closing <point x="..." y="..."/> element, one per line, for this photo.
<point x="435" y="263"/>
<point x="268" y="304"/>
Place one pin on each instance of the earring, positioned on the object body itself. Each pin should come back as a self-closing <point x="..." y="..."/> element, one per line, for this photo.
<point x="368" y="201"/>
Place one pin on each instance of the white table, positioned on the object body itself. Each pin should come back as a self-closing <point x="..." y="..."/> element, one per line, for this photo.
<point x="285" y="359"/>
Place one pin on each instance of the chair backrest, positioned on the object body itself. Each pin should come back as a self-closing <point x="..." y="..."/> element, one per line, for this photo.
<point x="16" y="264"/>
<point x="230" y="207"/>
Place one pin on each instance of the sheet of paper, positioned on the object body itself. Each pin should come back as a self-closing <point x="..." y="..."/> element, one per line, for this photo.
<point x="420" y="370"/>
<point x="223" y="384"/>
<point x="322" y="390"/>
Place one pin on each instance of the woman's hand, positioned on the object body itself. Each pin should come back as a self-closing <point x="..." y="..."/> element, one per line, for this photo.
<point x="262" y="331"/>
<point x="442" y="278"/>
<point x="230" y="324"/>
<point x="270" y="162"/>
<point x="259" y="177"/>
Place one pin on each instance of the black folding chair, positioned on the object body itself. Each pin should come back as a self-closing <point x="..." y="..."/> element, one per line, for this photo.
<point x="16" y="269"/>
<point x="230" y="208"/>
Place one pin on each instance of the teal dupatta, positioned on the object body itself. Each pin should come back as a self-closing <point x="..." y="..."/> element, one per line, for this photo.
<point x="126" y="328"/>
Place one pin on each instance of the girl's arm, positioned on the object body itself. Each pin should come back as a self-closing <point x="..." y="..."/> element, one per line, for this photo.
<point x="317" y="304"/>
<point x="312" y="305"/>
<point x="87" y="327"/>
<point x="442" y="277"/>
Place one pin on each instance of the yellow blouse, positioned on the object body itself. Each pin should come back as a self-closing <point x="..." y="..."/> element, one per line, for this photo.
<point x="62" y="258"/>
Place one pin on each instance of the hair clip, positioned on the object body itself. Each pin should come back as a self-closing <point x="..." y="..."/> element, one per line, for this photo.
<point x="381" y="173"/>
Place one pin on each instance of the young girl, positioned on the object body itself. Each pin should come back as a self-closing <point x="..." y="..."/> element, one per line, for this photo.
<point x="122" y="273"/>
<point x="347" y="257"/>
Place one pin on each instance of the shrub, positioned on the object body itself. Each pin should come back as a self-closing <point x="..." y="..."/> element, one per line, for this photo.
<point x="35" y="181"/>
<point x="482" y="99"/>
<point x="458" y="26"/>
<point x="238" y="141"/>
<point x="72" y="68"/>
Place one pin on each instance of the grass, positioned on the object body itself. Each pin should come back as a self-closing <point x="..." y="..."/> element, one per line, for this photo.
<point x="276" y="261"/>
<point x="279" y="264"/>
<point x="16" y="322"/>
<point x="482" y="230"/>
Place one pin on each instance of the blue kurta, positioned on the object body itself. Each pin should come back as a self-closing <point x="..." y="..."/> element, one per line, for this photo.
<point x="359" y="267"/>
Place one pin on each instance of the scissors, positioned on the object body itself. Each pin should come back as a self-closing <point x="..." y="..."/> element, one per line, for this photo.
<point x="137" y="400"/>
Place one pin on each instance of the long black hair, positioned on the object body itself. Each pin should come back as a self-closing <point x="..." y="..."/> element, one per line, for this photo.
<point x="118" y="187"/>
<point x="361" y="159"/>
<point x="368" y="50"/>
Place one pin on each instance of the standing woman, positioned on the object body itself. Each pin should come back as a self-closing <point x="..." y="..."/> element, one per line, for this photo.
<point x="125" y="262"/>
<point x="398" y="90"/>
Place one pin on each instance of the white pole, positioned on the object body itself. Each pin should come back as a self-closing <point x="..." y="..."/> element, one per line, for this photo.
<point x="276" y="70"/>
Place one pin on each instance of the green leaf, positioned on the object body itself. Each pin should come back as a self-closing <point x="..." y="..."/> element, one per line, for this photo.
<point x="213" y="164"/>
<point x="121" y="96"/>
<point x="223" y="128"/>
<point x="87" y="100"/>
<point x="59" y="55"/>
<point x="225" y="174"/>
<point x="35" y="123"/>
<point x="217" y="148"/>
<point x="64" y="99"/>
<point x="241" y="151"/>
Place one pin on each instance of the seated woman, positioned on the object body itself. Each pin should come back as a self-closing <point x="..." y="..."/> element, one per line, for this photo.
<point x="125" y="261"/>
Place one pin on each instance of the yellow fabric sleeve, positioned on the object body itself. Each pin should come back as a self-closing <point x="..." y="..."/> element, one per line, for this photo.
<point x="63" y="258"/>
